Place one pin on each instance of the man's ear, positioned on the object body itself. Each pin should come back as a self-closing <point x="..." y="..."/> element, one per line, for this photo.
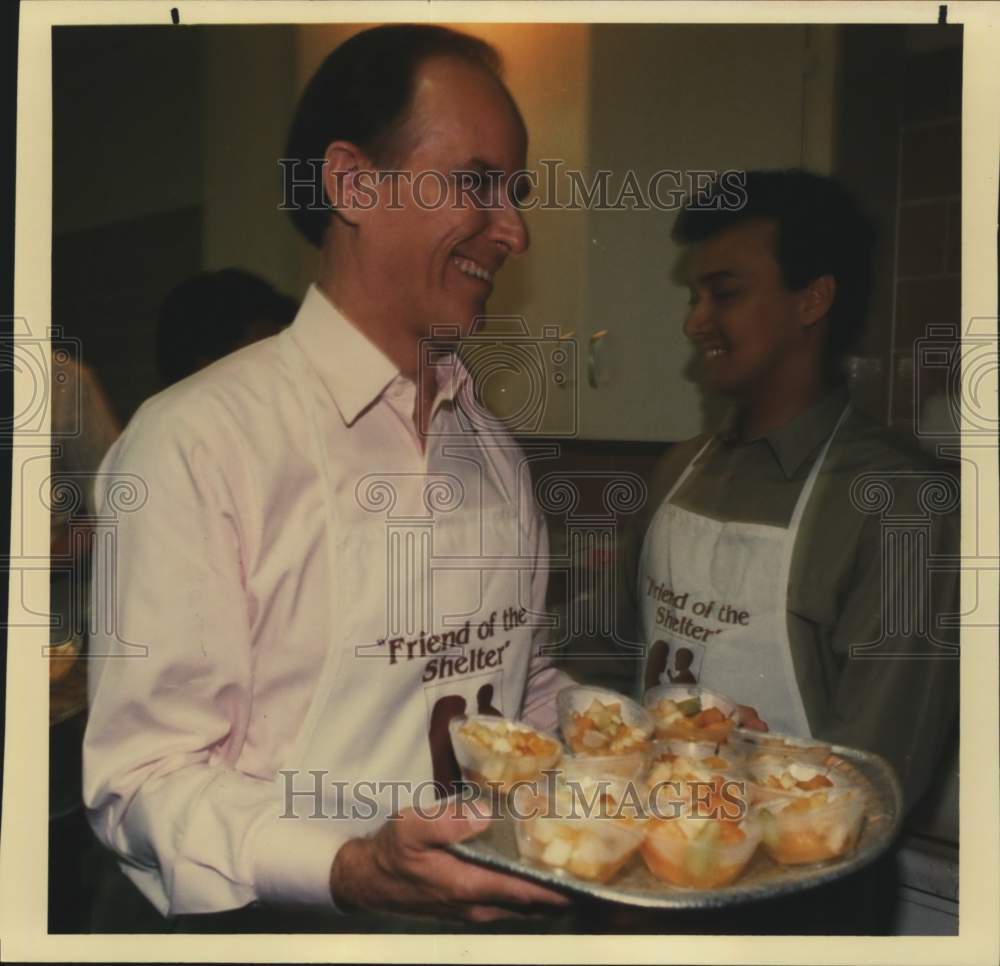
<point x="817" y="299"/>
<point x="348" y="180"/>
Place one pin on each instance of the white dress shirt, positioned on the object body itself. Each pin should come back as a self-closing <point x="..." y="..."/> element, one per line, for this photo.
<point x="249" y="638"/>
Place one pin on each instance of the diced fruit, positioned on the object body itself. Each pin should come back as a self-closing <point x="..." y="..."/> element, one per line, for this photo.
<point x="710" y="834"/>
<point x="689" y="706"/>
<point x="817" y="781"/>
<point x="836" y="837"/>
<point x="492" y="769"/>
<point x="697" y="860"/>
<point x="543" y="831"/>
<point x="709" y="716"/>
<point x="731" y="833"/>
<point x="557" y="852"/>
<point x="588" y="850"/>
<point x="600" y="730"/>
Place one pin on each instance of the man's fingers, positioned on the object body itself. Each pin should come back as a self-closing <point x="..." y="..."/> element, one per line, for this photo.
<point x="750" y="719"/>
<point x="485" y="885"/>
<point x="490" y="914"/>
<point x="458" y="823"/>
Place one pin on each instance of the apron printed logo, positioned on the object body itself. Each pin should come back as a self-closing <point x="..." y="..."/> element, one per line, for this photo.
<point x="399" y="649"/>
<point x="684" y="625"/>
<point x="678" y="665"/>
<point x="444" y="764"/>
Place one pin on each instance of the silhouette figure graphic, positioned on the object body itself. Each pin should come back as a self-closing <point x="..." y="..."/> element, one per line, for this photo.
<point x="446" y="770"/>
<point x="656" y="664"/>
<point x="484" y="701"/>
<point x="682" y="673"/>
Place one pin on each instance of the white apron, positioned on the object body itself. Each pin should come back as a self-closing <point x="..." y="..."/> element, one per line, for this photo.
<point x="433" y="646"/>
<point x="714" y="600"/>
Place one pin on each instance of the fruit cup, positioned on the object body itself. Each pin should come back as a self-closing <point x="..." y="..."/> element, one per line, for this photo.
<point x="783" y="777"/>
<point x="699" y="852"/>
<point x="690" y="713"/>
<point x="495" y="752"/>
<point x="693" y="771"/>
<point x="812" y="828"/>
<point x="607" y="733"/>
<point x="769" y="744"/>
<point x="574" y="834"/>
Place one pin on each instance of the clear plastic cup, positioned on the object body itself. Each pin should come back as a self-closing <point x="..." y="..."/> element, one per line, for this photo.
<point x="631" y="766"/>
<point x="680" y="711"/>
<point x="689" y="772"/>
<point x="700" y="853"/>
<point x="813" y="828"/>
<point x="770" y="744"/>
<point x="785" y="777"/>
<point x="593" y="844"/>
<point x="496" y="752"/>
<point x="698" y="756"/>
<point x="598" y="722"/>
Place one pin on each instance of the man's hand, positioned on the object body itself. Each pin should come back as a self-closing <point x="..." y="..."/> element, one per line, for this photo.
<point x="750" y="719"/>
<point x="404" y="868"/>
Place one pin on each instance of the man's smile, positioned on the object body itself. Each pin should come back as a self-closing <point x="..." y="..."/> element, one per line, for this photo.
<point x="472" y="268"/>
<point x="713" y="350"/>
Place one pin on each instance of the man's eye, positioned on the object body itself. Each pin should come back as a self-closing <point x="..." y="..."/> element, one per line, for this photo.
<point x="721" y="296"/>
<point x="476" y="187"/>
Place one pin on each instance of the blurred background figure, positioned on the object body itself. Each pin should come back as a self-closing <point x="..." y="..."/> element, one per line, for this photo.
<point x="84" y="425"/>
<point x="214" y="313"/>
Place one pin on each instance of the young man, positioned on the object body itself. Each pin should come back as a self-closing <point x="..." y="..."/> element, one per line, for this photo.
<point x="793" y="553"/>
<point x="331" y="550"/>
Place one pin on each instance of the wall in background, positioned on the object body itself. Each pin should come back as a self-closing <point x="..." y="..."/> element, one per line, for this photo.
<point x="127" y="192"/>
<point x="249" y="96"/>
<point x="126" y="105"/>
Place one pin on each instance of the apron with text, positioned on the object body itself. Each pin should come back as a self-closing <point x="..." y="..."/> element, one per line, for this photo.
<point x="713" y="601"/>
<point x="448" y="635"/>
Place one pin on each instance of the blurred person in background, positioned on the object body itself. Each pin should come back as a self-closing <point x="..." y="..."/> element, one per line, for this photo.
<point x="212" y="314"/>
<point x="84" y="427"/>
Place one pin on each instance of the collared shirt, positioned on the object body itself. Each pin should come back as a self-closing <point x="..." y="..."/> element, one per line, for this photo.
<point x="873" y="580"/>
<point x="222" y="605"/>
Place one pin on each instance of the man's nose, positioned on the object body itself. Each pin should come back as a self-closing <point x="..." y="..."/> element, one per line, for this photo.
<point x="697" y="321"/>
<point x="508" y="230"/>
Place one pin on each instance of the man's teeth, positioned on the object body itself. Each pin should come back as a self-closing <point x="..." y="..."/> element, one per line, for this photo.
<point x="469" y="267"/>
<point x="715" y="352"/>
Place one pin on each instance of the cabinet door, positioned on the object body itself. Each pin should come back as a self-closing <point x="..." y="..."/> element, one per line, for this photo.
<point x="685" y="98"/>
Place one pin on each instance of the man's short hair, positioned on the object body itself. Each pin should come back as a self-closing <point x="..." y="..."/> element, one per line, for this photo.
<point x="821" y="231"/>
<point x="361" y="93"/>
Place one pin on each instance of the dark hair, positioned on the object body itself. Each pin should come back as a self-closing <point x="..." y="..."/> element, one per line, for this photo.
<point x="821" y="231"/>
<point x="207" y="316"/>
<point x="361" y="93"/>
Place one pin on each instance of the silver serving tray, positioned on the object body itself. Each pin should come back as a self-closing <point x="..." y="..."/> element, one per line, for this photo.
<point x="762" y="879"/>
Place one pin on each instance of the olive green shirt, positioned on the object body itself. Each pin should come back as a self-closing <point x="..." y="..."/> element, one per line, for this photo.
<point x="873" y="578"/>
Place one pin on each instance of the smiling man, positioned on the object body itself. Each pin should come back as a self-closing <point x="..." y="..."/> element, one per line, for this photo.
<point x="800" y="537"/>
<point x="315" y="501"/>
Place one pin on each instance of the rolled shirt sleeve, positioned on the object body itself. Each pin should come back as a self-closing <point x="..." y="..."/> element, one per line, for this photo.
<point x="171" y="685"/>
